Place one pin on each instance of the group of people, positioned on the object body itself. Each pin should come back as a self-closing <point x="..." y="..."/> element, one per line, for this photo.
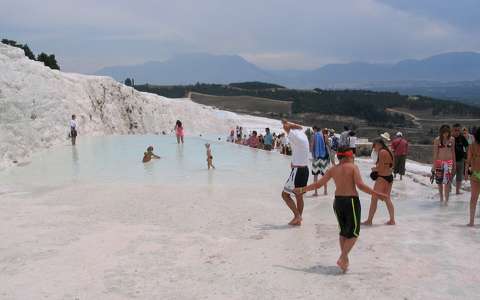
<point x="347" y="179"/>
<point x="268" y="141"/>
<point x="456" y="157"/>
<point x="456" y="154"/>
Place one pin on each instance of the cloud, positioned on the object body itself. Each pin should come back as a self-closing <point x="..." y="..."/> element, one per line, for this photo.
<point x="271" y="33"/>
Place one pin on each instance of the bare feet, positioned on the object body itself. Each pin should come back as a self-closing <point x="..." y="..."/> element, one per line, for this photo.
<point x="367" y="223"/>
<point x="391" y="222"/>
<point x="342" y="264"/>
<point x="470" y="225"/>
<point x="315" y="194"/>
<point x="297" y="221"/>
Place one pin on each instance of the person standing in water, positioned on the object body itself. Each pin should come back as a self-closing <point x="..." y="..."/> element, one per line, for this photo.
<point x="320" y="156"/>
<point x="209" y="157"/>
<point x="268" y="140"/>
<point x="299" y="170"/>
<point x="73" y="130"/>
<point x="382" y="174"/>
<point x="473" y="171"/>
<point x="179" y="132"/>
<point x="444" y="161"/>
<point x="149" y="155"/>
<point x="346" y="206"/>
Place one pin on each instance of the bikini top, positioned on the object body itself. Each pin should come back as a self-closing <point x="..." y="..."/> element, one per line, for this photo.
<point x="449" y="145"/>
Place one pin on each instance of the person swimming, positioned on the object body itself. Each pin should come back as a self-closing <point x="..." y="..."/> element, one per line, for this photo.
<point x="149" y="155"/>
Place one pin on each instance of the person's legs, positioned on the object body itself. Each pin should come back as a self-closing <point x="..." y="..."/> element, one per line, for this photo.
<point x="181" y="138"/>
<point x="475" y="185"/>
<point x="325" y="190"/>
<point x="346" y="247"/>
<point x="373" y="205"/>
<point x="291" y="204"/>
<point x="459" y="171"/>
<point x="440" y="191"/>
<point x="403" y="162"/>
<point x="300" y="204"/>
<point x="448" y="188"/>
<point x="315" y="179"/>
<point x="74" y="140"/>
<point x="390" y="207"/>
<point x="178" y="139"/>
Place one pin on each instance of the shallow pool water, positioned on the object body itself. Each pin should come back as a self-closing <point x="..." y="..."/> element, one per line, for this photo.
<point x="119" y="159"/>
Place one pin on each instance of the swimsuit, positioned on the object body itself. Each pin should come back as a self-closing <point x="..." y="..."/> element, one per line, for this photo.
<point x="476" y="175"/>
<point x="298" y="178"/>
<point x="179" y="131"/>
<point x="443" y="171"/>
<point x="348" y="212"/>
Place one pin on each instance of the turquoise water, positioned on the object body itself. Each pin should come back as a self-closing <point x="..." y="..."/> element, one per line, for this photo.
<point x="118" y="159"/>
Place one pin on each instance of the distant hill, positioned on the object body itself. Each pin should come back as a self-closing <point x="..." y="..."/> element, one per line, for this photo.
<point x="190" y="68"/>
<point x="442" y="73"/>
<point x="455" y="66"/>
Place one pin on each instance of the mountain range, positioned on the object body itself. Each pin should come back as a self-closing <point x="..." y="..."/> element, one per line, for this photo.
<point x="222" y="69"/>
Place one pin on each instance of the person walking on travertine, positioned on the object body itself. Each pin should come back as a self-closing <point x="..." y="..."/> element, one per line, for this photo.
<point x="444" y="161"/>
<point x="346" y="206"/>
<point x="400" y="149"/>
<point x="299" y="170"/>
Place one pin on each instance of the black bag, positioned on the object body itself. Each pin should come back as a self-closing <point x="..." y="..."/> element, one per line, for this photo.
<point x="374" y="175"/>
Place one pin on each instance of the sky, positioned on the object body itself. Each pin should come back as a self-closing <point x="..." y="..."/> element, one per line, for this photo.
<point x="273" y="34"/>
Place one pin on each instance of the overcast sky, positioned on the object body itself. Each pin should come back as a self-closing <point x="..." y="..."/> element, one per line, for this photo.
<point x="275" y="34"/>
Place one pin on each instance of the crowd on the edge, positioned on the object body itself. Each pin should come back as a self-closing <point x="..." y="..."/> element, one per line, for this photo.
<point x="456" y="157"/>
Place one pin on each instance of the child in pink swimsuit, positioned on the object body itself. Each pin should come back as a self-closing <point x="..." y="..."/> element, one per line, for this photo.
<point x="179" y="131"/>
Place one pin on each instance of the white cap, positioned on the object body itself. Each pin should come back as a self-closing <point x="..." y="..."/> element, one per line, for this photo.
<point x="399" y="134"/>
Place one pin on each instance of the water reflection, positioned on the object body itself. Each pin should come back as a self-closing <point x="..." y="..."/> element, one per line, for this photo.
<point x="75" y="164"/>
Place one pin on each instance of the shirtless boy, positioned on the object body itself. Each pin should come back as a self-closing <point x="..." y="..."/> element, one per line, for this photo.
<point x="346" y="176"/>
<point x="148" y="155"/>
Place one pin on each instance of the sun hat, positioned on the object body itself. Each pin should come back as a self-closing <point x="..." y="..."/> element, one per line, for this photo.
<point x="399" y="134"/>
<point x="386" y="136"/>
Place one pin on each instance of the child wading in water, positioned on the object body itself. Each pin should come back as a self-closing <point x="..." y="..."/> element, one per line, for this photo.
<point x="346" y="176"/>
<point x="148" y="155"/>
<point x="209" y="157"/>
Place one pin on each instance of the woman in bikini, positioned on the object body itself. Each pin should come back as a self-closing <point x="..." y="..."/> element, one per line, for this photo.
<point x="443" y="161"/>
<point x="473" y="171"/>
<point x="382" y="174"/>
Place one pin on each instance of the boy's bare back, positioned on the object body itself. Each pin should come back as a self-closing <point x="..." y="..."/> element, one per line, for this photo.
<point x="344" y="175"/>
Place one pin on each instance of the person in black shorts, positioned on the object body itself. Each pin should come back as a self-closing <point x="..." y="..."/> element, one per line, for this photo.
<point x="347" y="204"/>
<point x="299" y="170"/>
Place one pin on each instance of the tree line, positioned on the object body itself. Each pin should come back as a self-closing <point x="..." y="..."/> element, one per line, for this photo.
<point x="48" y="60"/>
<point x="368" y="105"/>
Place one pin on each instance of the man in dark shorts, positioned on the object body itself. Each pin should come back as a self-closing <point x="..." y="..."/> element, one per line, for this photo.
<point x="73" y="130"/>
<point x="299" y="169"/>
<point x="347" y="204"/>
<point x="461" y="147"/>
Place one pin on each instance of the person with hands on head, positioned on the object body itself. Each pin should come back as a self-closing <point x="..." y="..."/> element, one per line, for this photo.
<point x="299" y="169"/>
<point x="346" y="206"/>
